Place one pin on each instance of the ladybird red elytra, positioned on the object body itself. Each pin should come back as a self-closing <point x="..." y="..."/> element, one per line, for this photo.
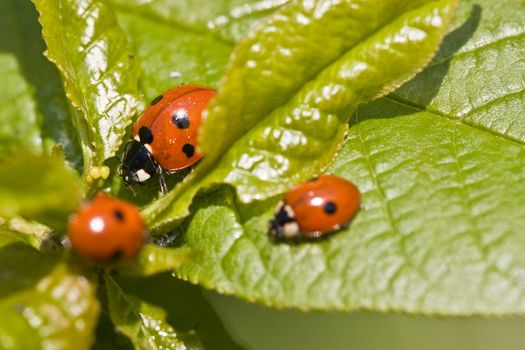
<point x="106" y="230"/>
<point x="165" y="135"/>
<point x="315" y="208"/>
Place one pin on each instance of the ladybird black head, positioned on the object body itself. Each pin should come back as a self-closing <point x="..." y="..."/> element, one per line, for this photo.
<point x="180" y="119"/>
<point x="284" y="226"/>
<point x="156" y="100"/>
<point x="137" y="164"/>
<point x="188" y="150"/>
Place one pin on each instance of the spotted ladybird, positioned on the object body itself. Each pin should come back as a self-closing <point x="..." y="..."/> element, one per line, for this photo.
<point x="165" y="135"/>
<point x="106" y="229"/>
<point x="315" y="209"/>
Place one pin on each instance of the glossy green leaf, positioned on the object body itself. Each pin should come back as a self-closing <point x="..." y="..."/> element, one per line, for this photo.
<point x="33" y="107"/>
<point x="100" y="76"/>
<point x="440" y="228"/>
<point x="299" y="139"/>
<point x="144" y="324"/>
<point x="55" y="311"/>
<point x="38" y="188"/>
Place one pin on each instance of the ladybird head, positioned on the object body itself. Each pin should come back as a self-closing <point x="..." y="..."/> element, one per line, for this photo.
<point x="284" y="226"/>
<point x="138" y="164"/>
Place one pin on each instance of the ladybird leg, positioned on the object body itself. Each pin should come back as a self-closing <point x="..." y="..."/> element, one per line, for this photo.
<point x="132" y="191"/>
<point x="162" y="182"/>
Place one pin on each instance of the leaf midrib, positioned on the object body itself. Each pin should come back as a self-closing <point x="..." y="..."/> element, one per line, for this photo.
<point x="451" y="118"/>
<point x="477" y="48"/>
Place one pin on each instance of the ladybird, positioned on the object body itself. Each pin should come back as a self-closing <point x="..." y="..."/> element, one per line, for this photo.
<point x="106" y="229"/>
<point x="165" y="135"/>
<point x="314" y="209"/>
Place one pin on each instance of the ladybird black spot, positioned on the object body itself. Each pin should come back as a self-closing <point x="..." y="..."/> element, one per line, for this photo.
<point x="119" y="215"/>
<point x="145" y="135"/>
<point x="188" y="150"/>
<point x="156" y="100"/>
<point x="117" y="254"/>
<point x="330" y="208"/>
<point x="313" y="179"/>
<point x="180" y="119"/>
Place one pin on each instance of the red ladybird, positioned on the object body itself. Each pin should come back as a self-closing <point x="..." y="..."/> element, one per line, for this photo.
<point x="107" y="229"/>
<point x="165" y="135"/>
<point x="315" y="208"/>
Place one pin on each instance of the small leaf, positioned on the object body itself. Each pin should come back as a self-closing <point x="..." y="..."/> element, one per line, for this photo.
<point x="144" y="324"/>
<point x="100" y="76"/>
<point x="58" y="312"/>
<point x="299" y="139"/>
<point x="39" y="188"/>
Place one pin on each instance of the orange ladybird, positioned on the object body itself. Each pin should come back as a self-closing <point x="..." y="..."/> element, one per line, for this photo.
<point x="107" y="229"/>
<point x="315" y="209"/>
<point x="165" y="135"/>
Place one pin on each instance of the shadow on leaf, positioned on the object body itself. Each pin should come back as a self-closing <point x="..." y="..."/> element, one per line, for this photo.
<point x="430" y="78"/>
<point x="185" y="305"/>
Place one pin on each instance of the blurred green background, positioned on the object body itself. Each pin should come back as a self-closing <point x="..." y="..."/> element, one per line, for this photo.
<point x="226" y="323"/>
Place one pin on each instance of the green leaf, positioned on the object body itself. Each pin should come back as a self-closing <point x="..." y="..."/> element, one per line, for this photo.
<point x="56" y="311"/>
<point x="275" y="61"/>
<point x="100" y="76"/>
<point x="194" y="57"/>
<point x="154" y="259"/>
<point x="440" y="228"/>
<point x="39" y="188"/>
<point x="33" y="107"/>
<point x="143" y="323"/>
<point x="300" y="138"/>
<point x="226" y="20"/>
<point x="475" y="79"/>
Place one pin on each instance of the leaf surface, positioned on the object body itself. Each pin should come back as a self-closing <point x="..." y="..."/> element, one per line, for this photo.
<point x="225" y="20"/>
<point x="154" y="259"/>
